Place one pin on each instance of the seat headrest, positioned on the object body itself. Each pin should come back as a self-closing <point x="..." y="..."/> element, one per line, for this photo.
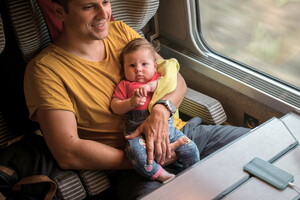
<point x="135" y="13"/>
<point x="29" y="27"/>
<point x="2" y="36"/>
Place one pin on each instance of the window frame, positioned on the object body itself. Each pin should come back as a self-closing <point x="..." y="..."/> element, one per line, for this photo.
<point x="259" y="86"/>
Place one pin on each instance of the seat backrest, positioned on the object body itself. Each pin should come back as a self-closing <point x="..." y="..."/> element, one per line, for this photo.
<point x="5" y="133"/>
<point x="31" y="31"/>
<point x="2" y="36"/>
<point x="29" y="26"/>
<point x="135" y="13"/>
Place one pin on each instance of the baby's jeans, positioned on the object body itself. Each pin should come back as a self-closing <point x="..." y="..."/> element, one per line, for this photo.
<point x="187" y="154"/>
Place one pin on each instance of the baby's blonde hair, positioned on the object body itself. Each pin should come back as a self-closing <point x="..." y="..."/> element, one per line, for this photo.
<point x="135" y="45"/>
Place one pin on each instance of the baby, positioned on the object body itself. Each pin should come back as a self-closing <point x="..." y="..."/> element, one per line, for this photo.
<point x="132" y="97"/>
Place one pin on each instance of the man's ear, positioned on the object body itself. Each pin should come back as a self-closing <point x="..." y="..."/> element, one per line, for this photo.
<point x="58" y="10"/>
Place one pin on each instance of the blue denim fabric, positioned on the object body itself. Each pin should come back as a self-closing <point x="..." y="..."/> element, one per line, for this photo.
<point x="187" y="154"/>
<point x="129" y="185"/>
<point x="134" y="119"/>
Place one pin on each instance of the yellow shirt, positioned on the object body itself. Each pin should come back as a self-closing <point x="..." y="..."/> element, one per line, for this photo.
<point x="57" y="79"/>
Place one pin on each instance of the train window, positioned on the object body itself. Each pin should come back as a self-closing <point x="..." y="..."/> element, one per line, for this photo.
<point x="263" y="35"/>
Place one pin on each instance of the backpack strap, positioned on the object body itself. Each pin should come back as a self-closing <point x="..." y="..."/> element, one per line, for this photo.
<point x="38" y="179"/>
<point x="7" y="170"/>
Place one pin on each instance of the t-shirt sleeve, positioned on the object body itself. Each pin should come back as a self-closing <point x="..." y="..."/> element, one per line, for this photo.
<point x="44" y="90"/>
<point x="125" y="32"/>
<point x="120" y="91"/>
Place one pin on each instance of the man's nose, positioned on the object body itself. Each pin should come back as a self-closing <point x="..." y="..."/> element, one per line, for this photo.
<point x="100" y="12"/>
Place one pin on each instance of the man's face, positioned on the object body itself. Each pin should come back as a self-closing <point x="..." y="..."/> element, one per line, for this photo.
<point x="87" y="19"/>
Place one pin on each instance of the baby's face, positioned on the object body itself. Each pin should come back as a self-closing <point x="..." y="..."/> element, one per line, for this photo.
<point x="139" y="66"/>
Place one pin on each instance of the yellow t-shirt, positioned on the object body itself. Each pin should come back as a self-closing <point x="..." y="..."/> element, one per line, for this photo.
<point x="57" y="79"/>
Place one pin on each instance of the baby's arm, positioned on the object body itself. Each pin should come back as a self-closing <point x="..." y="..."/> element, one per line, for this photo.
<point x="119" y="106"/>
<point x="144" y="89"/>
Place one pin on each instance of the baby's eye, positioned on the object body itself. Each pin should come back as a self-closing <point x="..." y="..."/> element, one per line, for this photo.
<point x="144" y="64"/>
<point x="131" y="65"/>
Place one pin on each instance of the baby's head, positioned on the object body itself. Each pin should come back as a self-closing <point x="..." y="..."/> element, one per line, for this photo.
<point x="138" y="60"/>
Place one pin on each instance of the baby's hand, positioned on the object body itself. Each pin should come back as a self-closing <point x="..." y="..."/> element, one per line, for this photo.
<point x="142" y="90"/>
<point x="137" y="101"/>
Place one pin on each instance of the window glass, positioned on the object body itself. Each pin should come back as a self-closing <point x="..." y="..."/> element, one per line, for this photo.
<point x="264" y="34"/>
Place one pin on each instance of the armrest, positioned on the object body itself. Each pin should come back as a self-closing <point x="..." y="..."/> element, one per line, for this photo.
<point x="208" y="109"/>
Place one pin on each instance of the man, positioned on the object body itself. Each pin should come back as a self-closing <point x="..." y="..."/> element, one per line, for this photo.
<point x="68" y="88"/>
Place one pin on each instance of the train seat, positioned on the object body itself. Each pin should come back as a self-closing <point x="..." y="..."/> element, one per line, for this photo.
<point x="5" y="132"/>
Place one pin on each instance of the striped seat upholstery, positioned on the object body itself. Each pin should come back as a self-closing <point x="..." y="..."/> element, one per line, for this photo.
<point x="135" y="13"/>
<point x="29" y="26"/>
<point x="94" y="181"/>
<point x="69" y="186"/>
<point x="2" y="36"/>
<point x="5" y="133"/>
<point x="197" y="104"/>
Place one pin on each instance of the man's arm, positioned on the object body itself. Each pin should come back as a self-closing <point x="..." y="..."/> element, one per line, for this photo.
<point x="159" y="139"/>
<point x="178" y="94"/>
<point x="59" y="128"/>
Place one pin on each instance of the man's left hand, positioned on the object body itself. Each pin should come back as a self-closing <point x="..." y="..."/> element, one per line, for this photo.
<point x="156" y="130"/>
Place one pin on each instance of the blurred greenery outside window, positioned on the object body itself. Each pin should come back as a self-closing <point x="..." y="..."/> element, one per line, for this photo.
<point x="264" y="35"/>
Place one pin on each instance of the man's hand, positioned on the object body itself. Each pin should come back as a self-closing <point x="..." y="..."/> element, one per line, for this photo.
<point x="156" y="130"/>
